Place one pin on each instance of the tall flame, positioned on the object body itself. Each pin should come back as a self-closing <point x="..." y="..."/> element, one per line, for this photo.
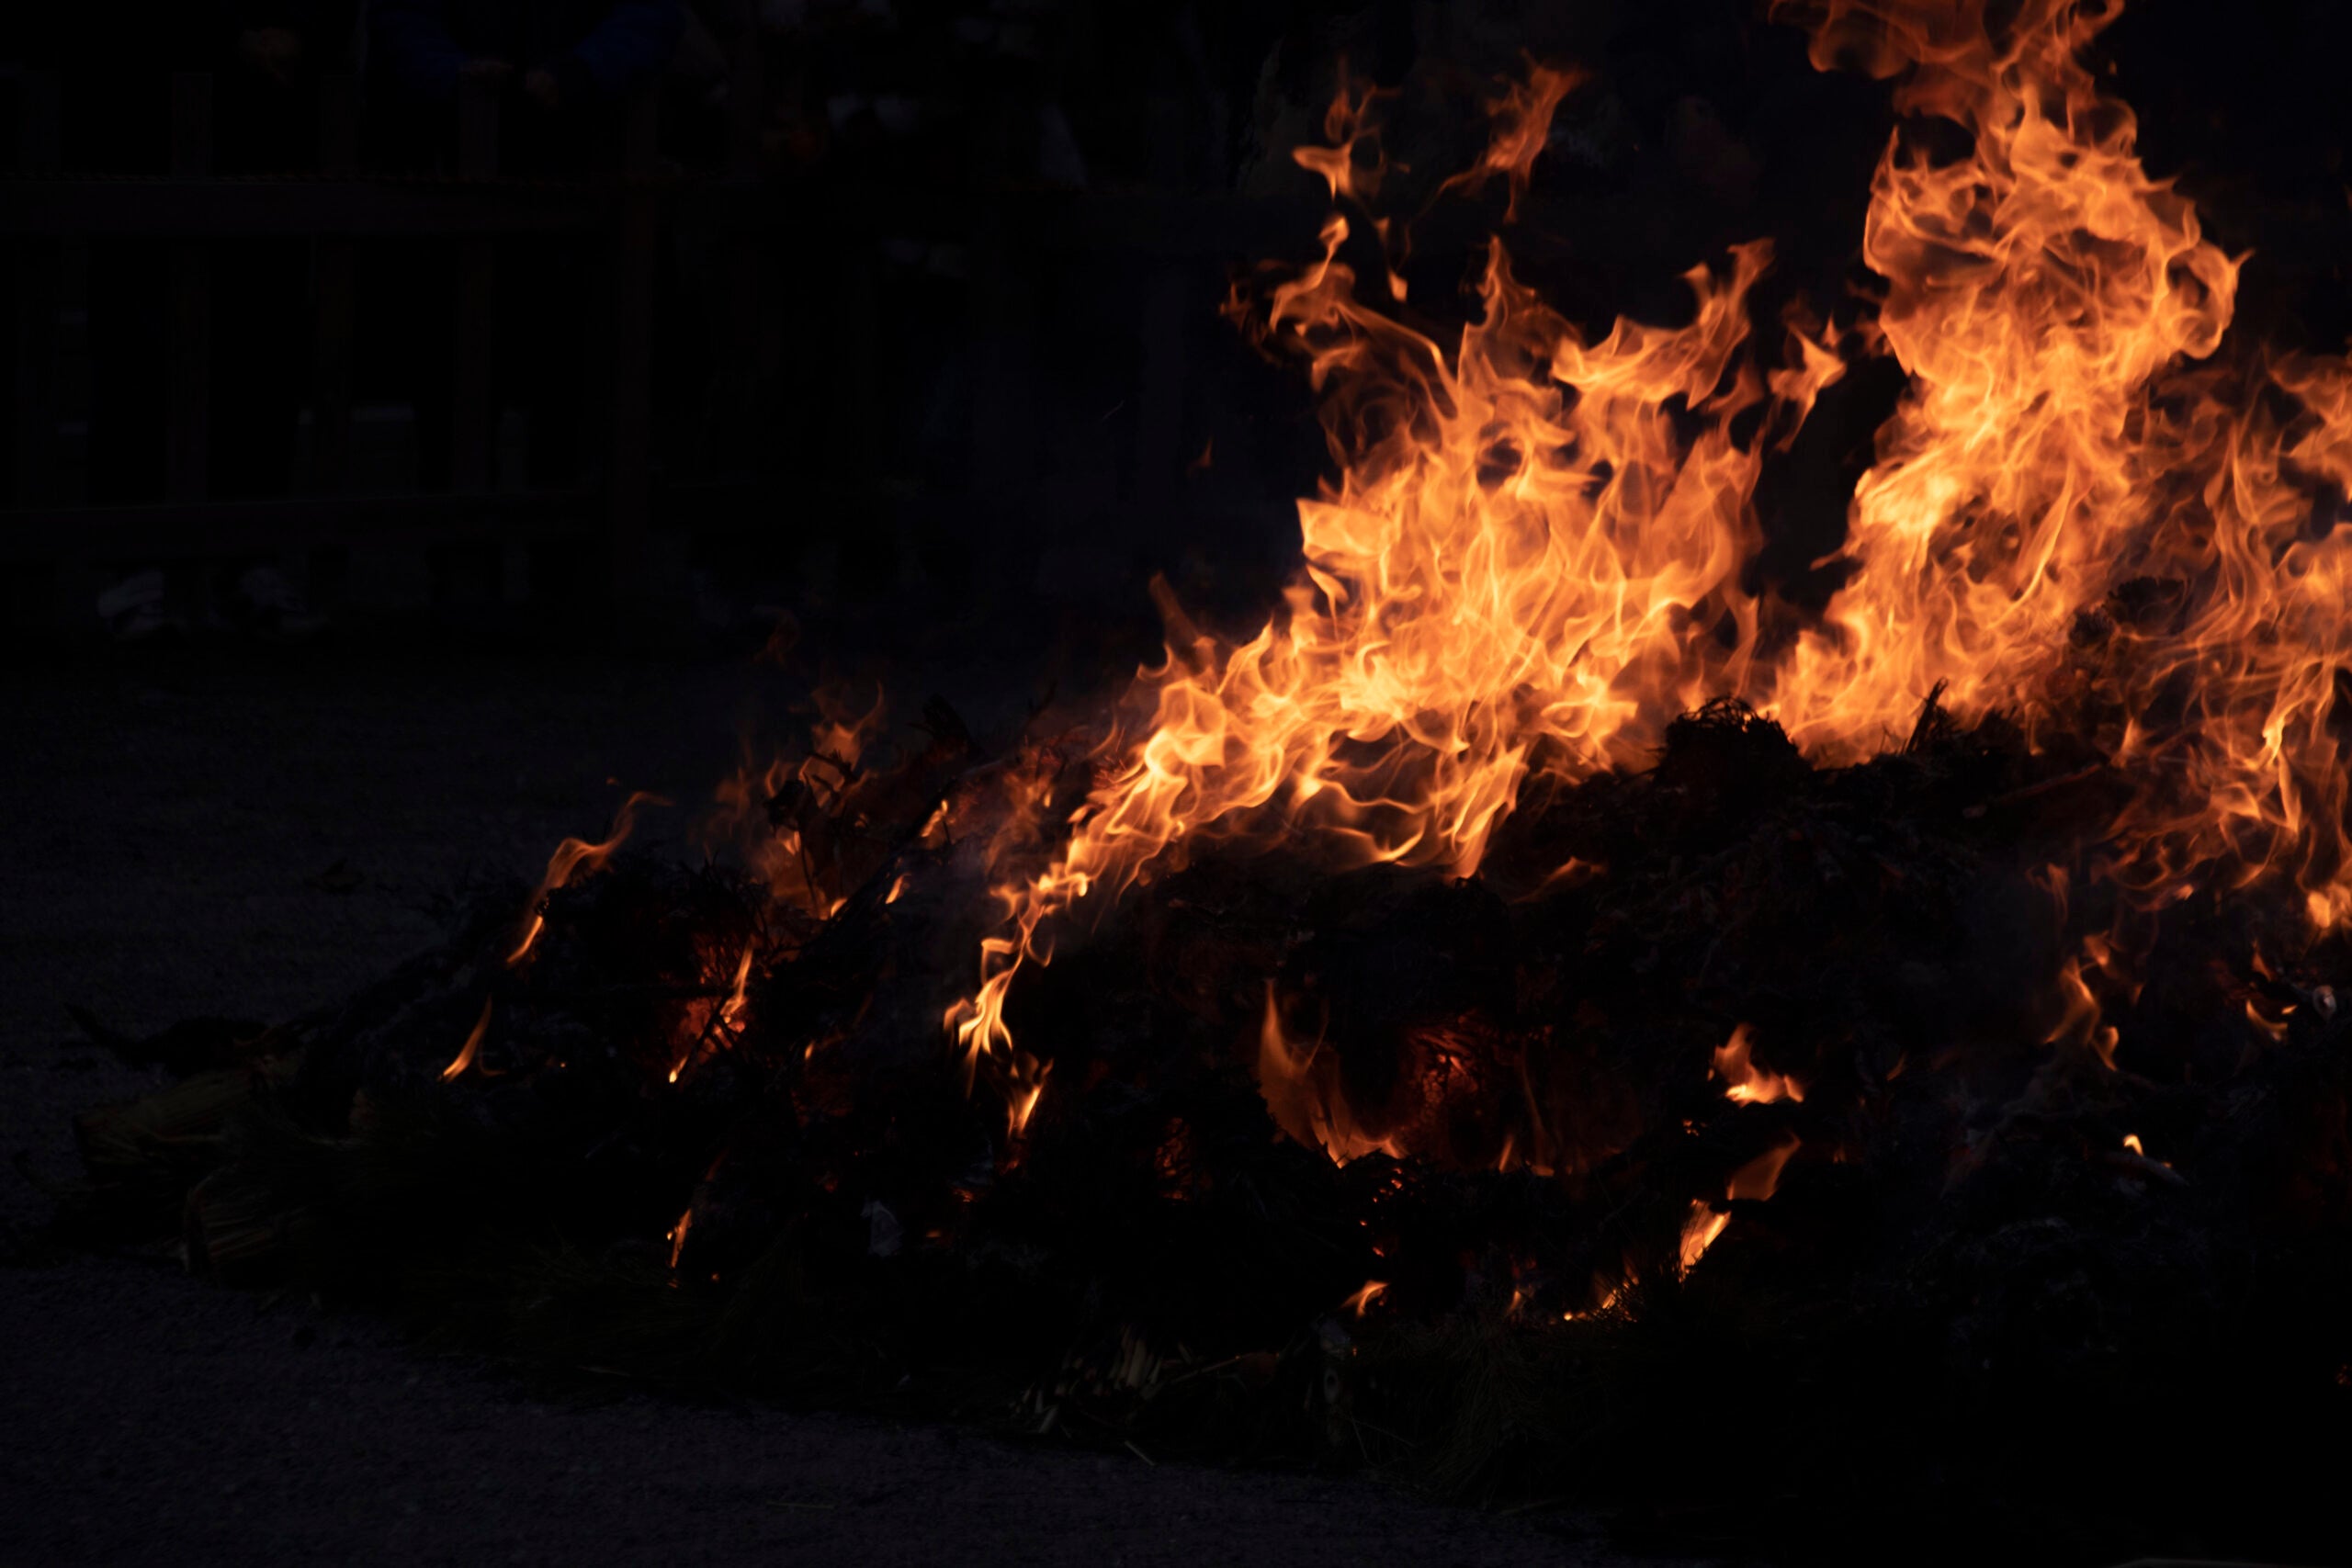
<point x="2067" y="515"/>
<point x="2082" y="512"/>
<point x="1529" y="557"/>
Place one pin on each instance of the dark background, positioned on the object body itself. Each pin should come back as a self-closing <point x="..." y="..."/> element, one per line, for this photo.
<point x="379" y="498"/>
<point x="899" y="317"/>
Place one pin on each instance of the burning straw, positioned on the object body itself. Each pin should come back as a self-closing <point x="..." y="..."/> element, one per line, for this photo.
<point x="1540" y="1019"/>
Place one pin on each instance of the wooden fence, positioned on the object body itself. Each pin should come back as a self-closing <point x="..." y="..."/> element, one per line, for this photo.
<point x="57" y="547"/>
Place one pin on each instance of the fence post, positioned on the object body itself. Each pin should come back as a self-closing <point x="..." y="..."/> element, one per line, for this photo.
<point x="472" y="419"/>
<point x="33" y="371"/>
<point x="333" y="303"/>
<point x="741" y="387"/>
<point x="34" y="439"/>
<point x="628" y="457"/>
<point x="1004" y="324"/>
<point x="746" y="94"/>
<point x="190" y="348"/>
<point x="1160" y="373"/>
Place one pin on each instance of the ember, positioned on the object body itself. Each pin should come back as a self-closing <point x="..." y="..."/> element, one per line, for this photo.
<point x="1545" y="1008"/>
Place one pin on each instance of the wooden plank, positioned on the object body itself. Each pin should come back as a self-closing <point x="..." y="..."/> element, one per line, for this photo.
<point x="745" y="358"/>
<point x="192" y="150"/>
<point x="323" y="569"/>
<point x="473" y="422"/>
<point x="188" y="371"/>
<point x="1167" y="225"/>
<point x="737" y="420"/>
<point x="187" y="531"/>
<point x="229" y="209"/>
<point x="33" y="438"/>
<point x="739" y="438"/>
<point x="1215" y="227"/>
<point x="629" y="447"/>
<point x="333" y="301"/>
<point x="746" y="92"/>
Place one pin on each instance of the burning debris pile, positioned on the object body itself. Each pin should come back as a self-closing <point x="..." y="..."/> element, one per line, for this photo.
<point x="1779" y="1127"/>
<point x="1546" y="1017"/>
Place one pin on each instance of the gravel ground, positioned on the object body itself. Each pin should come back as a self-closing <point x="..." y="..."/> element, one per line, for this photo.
<point x="169" y="823"/>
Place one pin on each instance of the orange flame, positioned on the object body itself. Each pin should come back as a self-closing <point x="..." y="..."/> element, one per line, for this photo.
<point x="1530" y="557"/>
<point x="1517" y="563"/>
<point x="845" y="726"/>
<point x="1755" y="1180"/>
<point x="730" y="1011"/>
<point x="1360" y="1302"/>
<point x="2067" y="515"/>
<point x="1027" y="1087"/>
<point x="1745" y="1082"/>
<point x="702" y="1021"/>
<point x="1522" y="117"/>
<point x="1347" y="126"/>
<point x="571" y="858"/>
<point x="1303" y="1097"/>
<point x="472" y="1048"/>
<point x="2080" y="1025"/>
<point x="1599" y="1308"/>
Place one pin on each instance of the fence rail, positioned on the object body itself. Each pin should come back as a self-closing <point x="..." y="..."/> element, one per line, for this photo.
<point x="620" y="225"/>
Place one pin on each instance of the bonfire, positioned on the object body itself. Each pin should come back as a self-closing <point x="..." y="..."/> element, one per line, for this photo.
<point x="1547" y="1017"/>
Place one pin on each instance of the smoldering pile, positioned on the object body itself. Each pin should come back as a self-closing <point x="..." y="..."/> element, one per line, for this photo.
<point x="1780" y="1170"/>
